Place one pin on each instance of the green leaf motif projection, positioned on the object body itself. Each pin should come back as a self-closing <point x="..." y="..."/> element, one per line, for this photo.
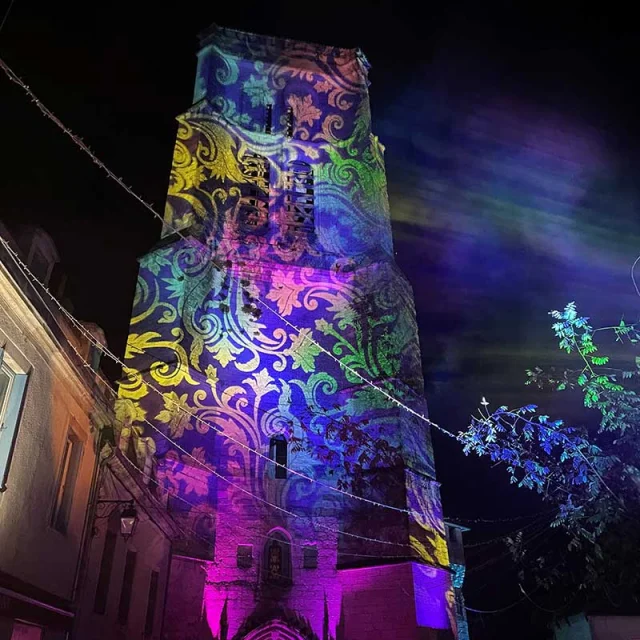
<point x="257" y="88"/>
<point x="302" y="351"/>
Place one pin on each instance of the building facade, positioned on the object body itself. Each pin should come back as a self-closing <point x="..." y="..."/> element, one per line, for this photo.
<point x="597" y="627"/>
<point x="272" y="343"/>
<point x="52" y="411"/>
<point x="124" y="584"/>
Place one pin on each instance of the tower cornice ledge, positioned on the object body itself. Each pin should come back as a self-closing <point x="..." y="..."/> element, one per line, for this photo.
<point x="237" y="41"/>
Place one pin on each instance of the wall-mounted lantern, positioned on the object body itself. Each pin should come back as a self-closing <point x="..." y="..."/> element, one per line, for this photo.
<point x="128" y="516"/>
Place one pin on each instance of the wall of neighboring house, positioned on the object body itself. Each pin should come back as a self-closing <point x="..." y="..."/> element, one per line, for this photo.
<point x="614" y="627"/>
<point x="109" y="608"/>
<point x="588" y="627"/>
<point x="39" y="554"/>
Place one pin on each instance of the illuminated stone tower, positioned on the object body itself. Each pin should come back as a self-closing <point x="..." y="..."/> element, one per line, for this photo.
<point x="271" y="296"/>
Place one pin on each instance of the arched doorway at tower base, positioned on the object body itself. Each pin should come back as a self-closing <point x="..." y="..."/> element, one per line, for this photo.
<point x="274" y="630"/>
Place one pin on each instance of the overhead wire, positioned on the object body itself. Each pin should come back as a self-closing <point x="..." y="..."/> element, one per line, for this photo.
<point x="456" y="519"/>
<point x="506" y="553"/>
<point x="535" y="604"/>
<point x="504" y="536"/>
<point x="6" y="14"/>
<point x="491" y="611"/>
<point x="158" y="484"/>
<point x="83" y="330"/>
<point x="13" y="77"/>
<point x="633" y="277"/>
<point x="303" y="334"/>
<point x="208" y="468"/>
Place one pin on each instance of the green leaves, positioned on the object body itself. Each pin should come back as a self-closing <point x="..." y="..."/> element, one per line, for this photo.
<point x="574" y="332"/>
<point x="583" y="472"/>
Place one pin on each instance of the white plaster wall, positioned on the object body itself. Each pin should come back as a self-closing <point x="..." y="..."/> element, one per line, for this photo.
<point x="30" y="549"/>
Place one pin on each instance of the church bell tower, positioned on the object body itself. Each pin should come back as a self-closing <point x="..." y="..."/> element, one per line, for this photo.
<point x="271" y="335"/>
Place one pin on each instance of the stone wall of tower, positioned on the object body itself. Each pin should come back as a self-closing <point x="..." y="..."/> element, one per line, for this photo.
<point x="273" y="290"/>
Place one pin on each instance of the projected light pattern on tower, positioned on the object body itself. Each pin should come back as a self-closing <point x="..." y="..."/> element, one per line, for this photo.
<point x="284" y="253"/>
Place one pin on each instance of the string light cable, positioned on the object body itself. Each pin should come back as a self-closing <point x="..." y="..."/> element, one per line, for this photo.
<point x="82" y="329"/>
<point x="208" y="468"/>
<point x="87" y="365"/>
<point x="198" y="508"/>
<point x="266" y="537"/>
<point x="237" y="527"/>
<point x="304" y="334"/>
<point x="79" y="142"/>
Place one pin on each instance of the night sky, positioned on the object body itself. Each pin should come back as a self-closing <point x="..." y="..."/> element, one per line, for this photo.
<point x="511" y="148"/>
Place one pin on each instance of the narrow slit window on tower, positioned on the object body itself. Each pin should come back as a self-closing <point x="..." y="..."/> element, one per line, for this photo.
<point x="278" y="453"/>
<point x="104" y="577"/>
<point x="151" y="605"/>
<point x="299" y="198"/>
<point x="289" y="129"/>
<point x="244" y="556"/>
<point x="268" y="118"/>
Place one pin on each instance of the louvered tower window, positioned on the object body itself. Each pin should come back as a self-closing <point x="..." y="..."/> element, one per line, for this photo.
<point x="299" y="197"/>
<point x="254" y="204"/>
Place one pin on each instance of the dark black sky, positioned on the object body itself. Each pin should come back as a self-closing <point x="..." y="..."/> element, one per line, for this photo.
<point x="511" y="140"/>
